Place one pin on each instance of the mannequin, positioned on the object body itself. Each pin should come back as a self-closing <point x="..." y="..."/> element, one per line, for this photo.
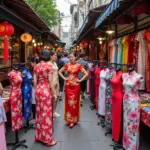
<point x="131" y="107"/>
<point x="16" y="104"/>
<point x="108" y="99"/>
<point x="26" y="93"/>
<point x="16" y="98"/>
<point x="117" y="97"/>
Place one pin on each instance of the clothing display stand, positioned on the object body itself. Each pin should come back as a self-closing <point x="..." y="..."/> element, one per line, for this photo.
<point x="108" y="132"/>
<point x="119" y="146"/>
<point x="102" y="121"/>
<point x="17" y="143"/>
<point x="93" y="107"/>
<point x="28" y="126"/>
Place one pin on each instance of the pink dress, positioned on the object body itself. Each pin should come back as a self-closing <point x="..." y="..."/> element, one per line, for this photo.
<point x="16" y="99"/>
<point x="43" y="98"/>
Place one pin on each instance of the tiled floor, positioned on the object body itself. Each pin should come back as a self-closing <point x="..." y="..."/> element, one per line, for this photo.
<point x="85" y="136"/>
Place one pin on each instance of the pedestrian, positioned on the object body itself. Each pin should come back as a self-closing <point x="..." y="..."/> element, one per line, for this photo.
<point x="32" y="63"/>
<point x="55" y="81"/>
<point x="83" y="84"/>
<point x="60" y="64"/>
<point x="65" y="59"/>
<point x="72" y="90"/>
<point x="44" y="96"/>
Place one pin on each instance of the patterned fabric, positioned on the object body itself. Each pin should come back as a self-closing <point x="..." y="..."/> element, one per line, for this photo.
<point x="102" y="89"/>
<point x="147" y="37"/>
<point x="16" y="99"/>
<point x="131" y="107"/>
<point x="108" y="99"/>
<point x="145" y="116"/>
<point x="27" y="93"/>
<point x="43" y="97"/>
<point x="84" y="64"/>
<point x="2" y="112"/>
<point x="72" y="94"/>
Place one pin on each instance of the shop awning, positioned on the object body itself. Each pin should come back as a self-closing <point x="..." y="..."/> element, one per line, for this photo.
<point x="84" y="24"/>
<point x="22" y="15"/>
<point x="89" y="22"/>
<point x="107" y="12"/>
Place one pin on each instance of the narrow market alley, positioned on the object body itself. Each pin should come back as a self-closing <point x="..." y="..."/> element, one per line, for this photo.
<point x="87" y="135"/>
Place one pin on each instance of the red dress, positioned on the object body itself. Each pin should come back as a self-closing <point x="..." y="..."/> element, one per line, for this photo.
<point x="97" y="83"/>
<point x="16" y="99"/>
<point x="117" y="98"/>
<point x="43" y="97"/>
<point x="72" y="93"/>
<point x="147" y="37"/>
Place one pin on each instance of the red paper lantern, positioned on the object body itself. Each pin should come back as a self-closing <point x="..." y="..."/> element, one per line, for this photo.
<point x="6" y="29"/>
<point x="81" y="44"/>
<point x="86" y="44"/>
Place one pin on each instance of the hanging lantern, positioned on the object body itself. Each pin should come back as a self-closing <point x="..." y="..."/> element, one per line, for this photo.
<point x="6" y="30"/>
<point x="26" y="37"/>
<point x="86" y="44"/>
<point x="81" y="44"/>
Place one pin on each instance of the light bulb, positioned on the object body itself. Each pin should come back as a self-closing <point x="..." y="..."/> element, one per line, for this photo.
<point x="110" y="31"/>
<point x="34" y="44"/>
<point x="33" y="41"/>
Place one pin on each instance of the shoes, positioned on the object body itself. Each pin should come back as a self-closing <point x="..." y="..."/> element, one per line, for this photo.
<point x="71" y="125"/>
<point x="56" y="114"/>
<point x="53" y="143"/>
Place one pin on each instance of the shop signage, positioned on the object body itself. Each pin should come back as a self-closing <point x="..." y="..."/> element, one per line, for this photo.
<point x="26" y="37"/>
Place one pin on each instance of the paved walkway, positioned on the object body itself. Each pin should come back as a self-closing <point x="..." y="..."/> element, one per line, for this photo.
<point x="85" y="136"/>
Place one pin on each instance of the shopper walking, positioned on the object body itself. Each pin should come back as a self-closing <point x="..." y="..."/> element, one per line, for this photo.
<point x="72" y="90"/>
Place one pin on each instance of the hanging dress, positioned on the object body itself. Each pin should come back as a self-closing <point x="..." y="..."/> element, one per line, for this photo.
<point x="117" y="98"/>
<point x="147" y="37"/>
<point x="142" y="57"/>
<point x="102" y="89"/>
<point x="43" y="98"/>
<point x="92" y="84"/>
<point x="2" y="127"/>
<point x="108" y="99"/>
<point x="131" y="108"/>
<point x="27" y="93"/>
<point x="16" y="99"/>
<point x="97" y="83"/>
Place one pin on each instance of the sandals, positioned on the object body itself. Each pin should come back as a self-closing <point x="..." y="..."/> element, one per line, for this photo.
<point x="71" y="125"/>
<point x="53" y="143"/>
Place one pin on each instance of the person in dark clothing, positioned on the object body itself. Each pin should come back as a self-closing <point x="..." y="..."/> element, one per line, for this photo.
<point x="60" y="64"/>
<point x="83" y="84"/>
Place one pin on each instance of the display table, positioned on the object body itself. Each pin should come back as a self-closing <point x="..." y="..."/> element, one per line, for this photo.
<point x="145" y="115"/>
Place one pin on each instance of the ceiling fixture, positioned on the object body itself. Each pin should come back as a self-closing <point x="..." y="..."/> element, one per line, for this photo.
<point x="110" y="30"/>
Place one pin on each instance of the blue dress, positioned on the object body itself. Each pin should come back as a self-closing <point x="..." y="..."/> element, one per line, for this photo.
<point x="2" y="112"/>
<point x="27" y="93"/>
